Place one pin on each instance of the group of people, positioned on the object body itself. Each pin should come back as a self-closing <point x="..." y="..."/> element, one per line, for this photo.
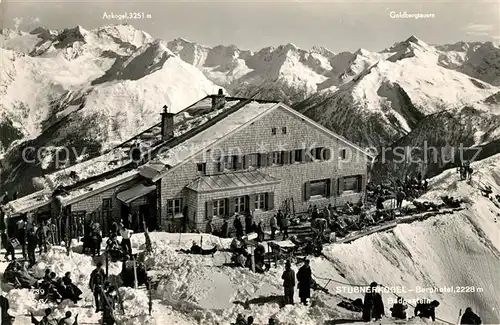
<point x="241" y="257"/>
<point x="49" y="319"/>
<point x="304" y="279"/>
<point x="49" y="287"/>
<point x="465" y="171"/>
<point x="240" y="320"/>
<point x="29" y="237"/>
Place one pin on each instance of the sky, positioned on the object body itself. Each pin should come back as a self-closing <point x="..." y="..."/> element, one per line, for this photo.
<point x="254" y="24"/>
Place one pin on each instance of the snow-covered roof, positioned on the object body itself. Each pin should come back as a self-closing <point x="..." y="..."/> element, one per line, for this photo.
<point x="228" y="181"/>
<point x="149" y="140"/>
<point x="97" y="187"/>
<point x="135" y="192"/>
<point x="29" y="202"/>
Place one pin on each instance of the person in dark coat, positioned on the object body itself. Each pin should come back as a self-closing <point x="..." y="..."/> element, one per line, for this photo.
<point x="21" y="234"/>
<point x="304" y="277"/>
<point x="32" y="242"/>
<point x="238" y="226"/>
<point x="273" y="223"/>
<point x="225" y="230"/>
<point x="4" y="304"/>
<point x="400" y="196"/>
<point x="288" y="278"/>
<point x="97" y="278"/>
<point x="470" y="318"/>
<point x="426" y="309"/>
<point x="373" y="306"/>
<point x="248" y="223"/>
<point x="380" y="203"/>
<point x="73" y="291"/>
<point x="260" y="231"/>
<point x="279" y="218"/>
<point x="9" y="248"/>
<point x="398" y="310"/>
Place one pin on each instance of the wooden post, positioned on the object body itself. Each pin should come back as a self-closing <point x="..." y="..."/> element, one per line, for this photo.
<point x="135" y="273"/>
<point x="201" y="242"/>
<point x="107" y="264"/>
<point x="252" y="249"/>
<point x="459" y="314"/>
<point x="150" y="296"/>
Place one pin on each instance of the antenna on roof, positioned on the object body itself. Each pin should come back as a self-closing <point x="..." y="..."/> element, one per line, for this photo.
<point x="165" y="109"/>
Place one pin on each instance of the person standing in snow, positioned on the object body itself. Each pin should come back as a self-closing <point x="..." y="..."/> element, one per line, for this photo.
<point x="373" y="305"/>
<point x="400" y="196"/>
<point x="32" y="243"/>
<point x="304" y="277"/>
<point x="470" y="318"/>
<point x="7" y="245"/>
<point x="260" y="231"/>
<point x="238" y="226"/>
<point x="21" y="234"/>
<point x="273" y="223"/>
<point x="4" y="305"/>
<point x="248" y="223"/>
<point x="286" y="224"/>
<point x="126" y="243"/>
<point x="288" y="278"/>
<point x="97" y="278"/>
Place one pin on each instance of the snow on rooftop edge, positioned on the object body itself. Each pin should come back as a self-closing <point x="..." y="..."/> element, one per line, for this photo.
<point x="216" y="132"/>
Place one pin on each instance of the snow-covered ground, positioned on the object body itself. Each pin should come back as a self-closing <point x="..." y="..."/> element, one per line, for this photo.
<point x="459" y="250"/>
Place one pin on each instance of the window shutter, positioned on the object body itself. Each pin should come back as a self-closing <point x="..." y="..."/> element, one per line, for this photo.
<point x="270" y="201"/>
<point x="251" y="202"/>
<point x="332" y="187"/>
<point x="238" y="163"/>
<point x="231" y="202"/>
<point x="306" y="156"/>
<point x="340" y="186"/>
<point x="210" y="209"/>
<point x="246" y="161"/>
<point x="262" y="160"/>
<point x="328" y="187"/>
<point x="220" y="166"/>
<point x="247" y="200"/>
<point x="286" y="157"/>
<point x="292" y="156"/>
<point x="270" y="159"/>
<point x="227" y="207"/>
<point x="307" y="191"/>
<point x="327" y="154"/>
<point x="362" y="183"/>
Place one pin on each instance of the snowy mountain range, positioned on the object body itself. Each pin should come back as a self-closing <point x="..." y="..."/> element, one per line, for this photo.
<point x="97" y="88"/>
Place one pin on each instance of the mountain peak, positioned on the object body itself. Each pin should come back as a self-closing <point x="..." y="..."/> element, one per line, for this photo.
<point x="413" y="39"/>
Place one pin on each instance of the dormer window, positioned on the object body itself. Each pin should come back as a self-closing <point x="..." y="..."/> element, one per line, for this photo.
<point x="273" y="131"/>
<point x="283" y="130"/>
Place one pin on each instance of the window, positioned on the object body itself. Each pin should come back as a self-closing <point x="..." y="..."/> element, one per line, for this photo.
<point x="253" y="160"/>
<point x="317" y="153"/>
<point x="273" y="131"/>
<point x="283" y="130"/>
<point x="352" y="183"/>
<point x="219" y="207"/>
<point x="174" y="206"/>
<point x="260" y="201"/>
<point x="278" y="158"/>
<point x="240" y="204"/>
<point x="319" y="188"/>
<point x="343" y="154"/>
<point x="232" y="162"/>
<point x="107" y="205"/>
<point x="202" y="168"/>
<point x="298" y="155"/>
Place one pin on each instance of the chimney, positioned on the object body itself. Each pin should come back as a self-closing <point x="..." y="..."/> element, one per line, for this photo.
<point x="167" y="124"/>
<point x="219" y="100"/>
